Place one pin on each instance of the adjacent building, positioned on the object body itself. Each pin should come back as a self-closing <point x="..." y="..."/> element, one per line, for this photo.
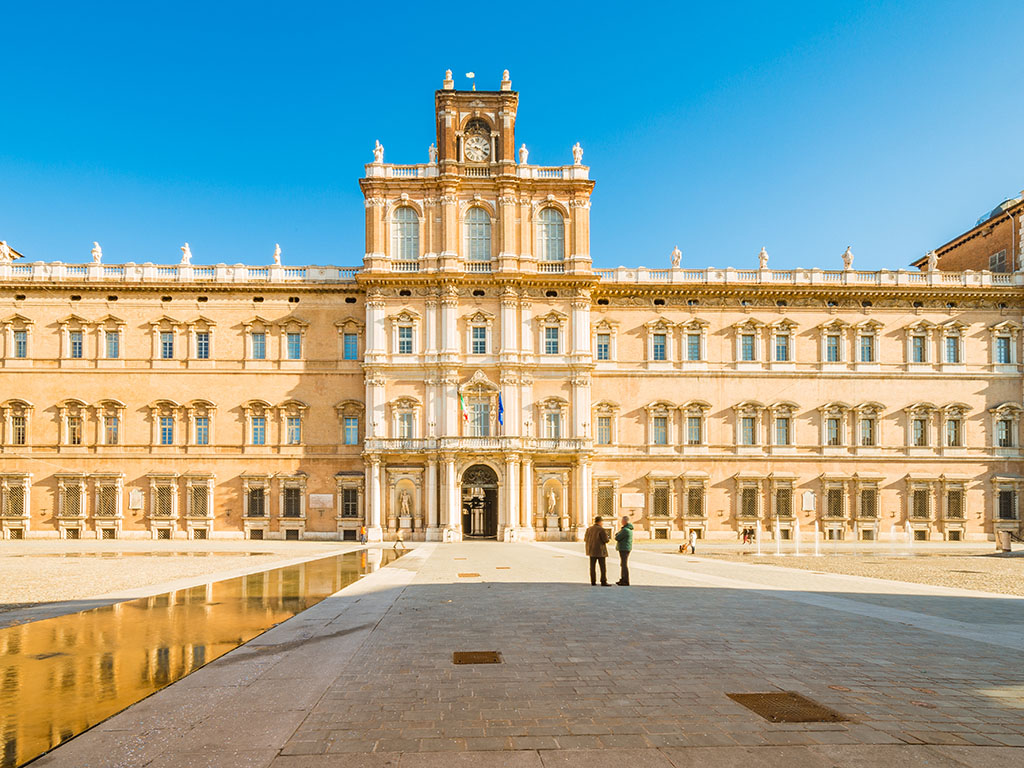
<point x="477" y="377"/>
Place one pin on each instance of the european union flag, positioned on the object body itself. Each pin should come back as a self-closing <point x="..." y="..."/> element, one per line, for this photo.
<point x="501" y="411"/>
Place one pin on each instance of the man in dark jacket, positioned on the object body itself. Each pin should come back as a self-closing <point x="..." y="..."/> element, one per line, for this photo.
<point x="596" y="538"/>
<point x="624" y="545"/>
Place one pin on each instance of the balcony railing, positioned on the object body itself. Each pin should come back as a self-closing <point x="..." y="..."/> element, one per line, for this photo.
<point x="58" y="272"/>
<point x="405" y="266"/>
<point x="493" y="443"/>
<point x="478" y="266"/>
<point x="900" y="277"/>
<point x="552" y="267"/>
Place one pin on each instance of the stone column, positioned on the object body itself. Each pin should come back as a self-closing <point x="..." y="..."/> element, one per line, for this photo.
<point x="433" y="530"/>
<point x="582" y="497"/>
<point x="527" y="496"/>
<point x="373" y="529"/>
<point x="449" y="329"/>
<point x="510" y="506"/>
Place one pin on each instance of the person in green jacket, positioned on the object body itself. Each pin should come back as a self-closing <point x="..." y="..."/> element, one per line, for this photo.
<point x="624" y="545"/>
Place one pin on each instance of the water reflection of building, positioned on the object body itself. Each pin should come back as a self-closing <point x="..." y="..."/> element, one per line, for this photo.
<point x="476" y="347"/>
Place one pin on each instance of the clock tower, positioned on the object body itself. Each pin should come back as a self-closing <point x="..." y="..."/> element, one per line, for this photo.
<point x="476" y="127"/>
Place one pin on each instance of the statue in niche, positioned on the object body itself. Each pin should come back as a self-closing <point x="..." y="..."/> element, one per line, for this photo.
<point x="577" y="154"/>
<point x="277" y="254"/>
<point x="378" y="152"/>
<point x="762" y="258"/>
<point x="552" y="503"/>
<point x="97" y="253"/>
<point x="677" y="256"/>
<point x="432" y="152"/>
<point x="186" y="254"/>
<point x="847" y="258"/>
<point x="933" y="261"/>
<point x="524" y="154"/>
<point x="404" y="500"/>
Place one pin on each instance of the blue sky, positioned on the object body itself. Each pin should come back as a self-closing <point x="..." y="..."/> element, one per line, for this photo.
<point x="803" y="127"/>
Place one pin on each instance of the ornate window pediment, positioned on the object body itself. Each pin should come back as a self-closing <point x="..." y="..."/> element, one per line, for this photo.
<point x="835" y="407"/>
<point x="350" y="408"/>
<point x="868" y="326"/>
<point x="18" y="321"/>
<point x="292" y="407"/>
<point x="834" y="326"/>
<point x="405" y="317"/>
<point x="954" y="326"/>
<point x="1006" y="326"/>
<point x="695" y="406"/>
<point x="749" y="326"/>
<point x="956" y="410"/>
<point x="659" y="325"/>
<point x="478" y="383"/>
<point x="1009" y="409"/>
<point x="659" y="408"/>
<point x="257" y="407"/>
<point x="349" y="325"/>
<point x="605" y="408"/>
<point x="920" y="408"/>
<point x="165" y="321"/>
<point x="748" y="407"/>
<point x="870" y="409"/>
<point x="554" y="317"/>
<point x="480" y="318"/>
<point x="784" y="408"/>
<point x="920" y="327"/>
<point x="785" y="325"/>
<point x="201" y="323"/>
<point x="258" y="322"/>
<point x="73" y="321"/>
<point x="293" y="323"/>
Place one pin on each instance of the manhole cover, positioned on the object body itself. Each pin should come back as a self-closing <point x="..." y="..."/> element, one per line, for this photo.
<point x="786" y="707"/>
<point x="476" y="657"/>
<point x="503" y="567"/>
<point x="469" y="575"/>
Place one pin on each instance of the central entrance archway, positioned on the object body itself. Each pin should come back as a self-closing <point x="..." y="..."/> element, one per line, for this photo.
<point x="480" y="502"/>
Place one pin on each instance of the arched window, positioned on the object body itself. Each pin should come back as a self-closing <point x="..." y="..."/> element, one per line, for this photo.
<point x="405" y="235"/>
<point x="478" y="235"/>
<point x="551" y="236"/>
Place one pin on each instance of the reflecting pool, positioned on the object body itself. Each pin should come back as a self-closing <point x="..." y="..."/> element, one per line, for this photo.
<point x="61" y="676"/>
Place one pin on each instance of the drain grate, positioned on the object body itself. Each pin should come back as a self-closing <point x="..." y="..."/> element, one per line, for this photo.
<point x="476" y="657"/>
<point x="503" y="567"/>
<point x="469" y="575"/>
<point x="786" y="707"/>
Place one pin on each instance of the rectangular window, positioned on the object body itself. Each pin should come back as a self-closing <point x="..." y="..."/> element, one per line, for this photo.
<point x="257" y="502"/>
<point x="18" y="430"/>
<point x="695" y="501"/>
<point x="202" y="430"/>
<point x="833" y="432"/>
<point x="75" y="339"/>
<point x="606" y="501"/>
<point x="918" y="349"/>
<point x="832" y="348"/>
<point x="74" y="430"/>
<point x="660" y="507"/>
<point x="919" y="428"/>
<point x="203" y="345"/>
<point x="259" y="345"/>
<point x="952" y="349"/>
<point x="604" y="430"/>
<point x="747" y="347"/>
<point x="350" y="502"/>
<point x="294" y="346"/>
<point x="405" y="339"/>
<point x="1003" y="350"/>
<point x="113" y="345"/>
<point x="166" y="430"/>
<point x="659" y="430"/>
<point x="292" y="502"/>
<point x="1007" y="505"/>
<point x="293" y="430"/>
<point x="782" y="431"/>
<point x="782" y="348"/>
<point x="694" y="430"/>
<point x="954" y="430"/>
<point x="748" y="429"/>
<point x="693" y="346"/>
<point x="259" y="430"/>
<point x="166" y="345"/>
<point x="919" y="503"/>
<point x="955" y="504"/>
<point x="867" y="348"/>
<point x="869" y="502"/>
<point x="350" y="347"/>
<point x="405" y="425"/>
<point x="351" y="430"/>
<point x="867" y="432"/>
<point x="660" y="347"/>
<point x="479" y="417"/>
<point x="21" y="344"/>
<point x="748" y="502"/>
<point x="551" y="345"/>
<point x="553" y="426"/>
<point x="834" y="502"/>
<point x="1004" y="433"/>
<point x="997" y="262"/>
<point x="784" y="502"/>
<point x="112" y="430"/>
<point x="479" y="340"/>
<point x="604" y="346"/>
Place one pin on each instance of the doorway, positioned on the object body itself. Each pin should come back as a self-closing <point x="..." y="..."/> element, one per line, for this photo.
<point x="480" y="503"/>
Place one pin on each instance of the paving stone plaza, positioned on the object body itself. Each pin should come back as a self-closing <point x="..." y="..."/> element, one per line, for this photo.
<point x="924" y="675"/>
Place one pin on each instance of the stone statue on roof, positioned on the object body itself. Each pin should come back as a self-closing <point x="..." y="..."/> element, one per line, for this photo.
<point x="933" y="261"/>
<point x="378" y="152"/>
<point x="277" y="254"/>
<point x="524" y="155"/>
<point x="577" y="154"/>
<point x="186" y="254"/>
<point x="677" y="256"/>
<point x="847" y="258"/>
<point x="762" y="258"/>
<point x="5" y="251"/>
<point x="97" y="253"/>
<point x="432" y="152"/>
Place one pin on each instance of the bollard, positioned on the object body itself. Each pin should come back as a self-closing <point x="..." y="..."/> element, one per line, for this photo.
<point x="1003" y="541"/>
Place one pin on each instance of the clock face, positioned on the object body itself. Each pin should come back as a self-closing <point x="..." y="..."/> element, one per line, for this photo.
<point x="477" y="148"/>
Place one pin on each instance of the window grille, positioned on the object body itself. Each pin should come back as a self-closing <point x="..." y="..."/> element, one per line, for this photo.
<point x="106" y="502"/>
<point x="200" y="501"/>
<point x="162" y="501"/>
<point x="695" y="501"/>
<point x="955" y="504"/>
<point x="661" y="502"/>
<point x="1007" y="505"/>
<point x="834" y="502"/>
<point x="13" y="501"/>
<point x="71" y="501"/>
<point x="784" y="502"/>
<point x="350" y="502"/>
<point x="257" y="502"/>
<point x="606" y="501"/>
<point x="869" y="502"/>
<point x="292" y="502"/>
<point x="920" y="503"/>
<point x="748" y="502"/>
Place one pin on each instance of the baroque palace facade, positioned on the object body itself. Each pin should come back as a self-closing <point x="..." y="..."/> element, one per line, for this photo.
<point x="478" y="377"/>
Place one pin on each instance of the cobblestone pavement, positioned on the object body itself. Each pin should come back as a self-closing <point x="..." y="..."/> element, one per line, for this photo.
<point x="595" y="676"/>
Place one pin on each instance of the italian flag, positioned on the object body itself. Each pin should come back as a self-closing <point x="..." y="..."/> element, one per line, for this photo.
<point x="462" y="407"/>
